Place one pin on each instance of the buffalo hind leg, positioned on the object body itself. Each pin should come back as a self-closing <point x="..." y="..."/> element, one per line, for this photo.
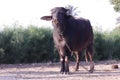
<point x="77" y="54"/>
<point x="89" y="52"/>
<point x="86" y="56"/>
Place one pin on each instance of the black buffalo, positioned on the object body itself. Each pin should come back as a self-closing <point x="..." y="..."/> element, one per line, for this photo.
<point x="71" y="35"/>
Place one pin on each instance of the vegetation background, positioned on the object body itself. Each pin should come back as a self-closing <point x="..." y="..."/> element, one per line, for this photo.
<point x="35" y="44"/>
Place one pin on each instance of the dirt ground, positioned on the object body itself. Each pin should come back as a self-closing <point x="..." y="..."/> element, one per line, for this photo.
<point x="50" y="71"/>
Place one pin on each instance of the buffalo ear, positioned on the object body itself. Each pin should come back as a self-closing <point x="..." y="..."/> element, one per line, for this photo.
<point x="48" y="18"/>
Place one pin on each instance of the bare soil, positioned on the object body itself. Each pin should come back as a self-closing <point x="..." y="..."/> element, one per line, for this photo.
<point x="50" y="71"/>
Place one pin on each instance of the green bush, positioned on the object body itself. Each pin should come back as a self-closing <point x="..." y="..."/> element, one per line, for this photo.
<point x="35" y="44"/>
<point x="22" y="45"/>
<point x="116" y="46"/>
<point x="107" y="44"/>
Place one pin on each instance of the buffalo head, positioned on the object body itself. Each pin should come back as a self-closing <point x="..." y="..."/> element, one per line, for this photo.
<point x="58" y="14"/>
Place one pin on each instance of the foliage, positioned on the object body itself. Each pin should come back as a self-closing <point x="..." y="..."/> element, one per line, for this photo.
<point x="26" y="45"/>
<point x="72" y="10"/>
<point x="116" y="7"/>
<point x="116" y="37"/>
<point x="107" y="45"/>
<point x="116" y="4"/>
<point x="34" y="44"/>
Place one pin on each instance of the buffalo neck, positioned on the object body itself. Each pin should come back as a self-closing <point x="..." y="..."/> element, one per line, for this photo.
<point x="60" y="26"/>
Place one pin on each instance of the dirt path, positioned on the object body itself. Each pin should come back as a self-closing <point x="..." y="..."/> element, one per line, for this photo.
<point x="47" y="71"/>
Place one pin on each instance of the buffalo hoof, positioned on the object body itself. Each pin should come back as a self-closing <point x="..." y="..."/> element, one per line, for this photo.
<point x="64" y="72"/>
<point x="91" y="71"/>
<point x="75" y="69"/>
<point x="91" y="68"/>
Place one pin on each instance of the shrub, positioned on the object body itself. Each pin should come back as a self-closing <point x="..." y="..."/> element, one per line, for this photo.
<point x="35" y="44"/>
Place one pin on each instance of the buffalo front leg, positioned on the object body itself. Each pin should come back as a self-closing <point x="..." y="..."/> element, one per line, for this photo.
<point x="66" y="65"/>
<point x="64" y="62"/>
<point x="62" y="59"/>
